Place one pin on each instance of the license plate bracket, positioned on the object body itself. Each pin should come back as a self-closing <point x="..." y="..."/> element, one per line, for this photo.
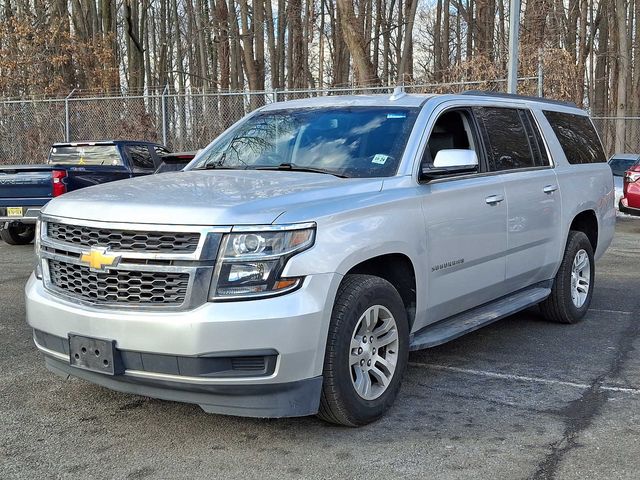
<point x="95" y="354"/>
<point x="15" y="212"/>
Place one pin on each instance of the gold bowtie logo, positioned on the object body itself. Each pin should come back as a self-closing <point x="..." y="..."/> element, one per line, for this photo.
<point x="98" y="259"/>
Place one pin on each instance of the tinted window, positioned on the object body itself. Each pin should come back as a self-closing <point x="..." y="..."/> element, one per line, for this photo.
<point x="350" y="141"/>
<point x="140" y="157"/>
<point x="506" y="139"/>
<point x="620" y="165"/>
<point x="535" y="139"/>
<point x="577" y="137"/>
<point x="85" y="155"/>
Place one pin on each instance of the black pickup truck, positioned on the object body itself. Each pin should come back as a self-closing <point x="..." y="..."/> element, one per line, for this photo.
<point x="25" y="189"/>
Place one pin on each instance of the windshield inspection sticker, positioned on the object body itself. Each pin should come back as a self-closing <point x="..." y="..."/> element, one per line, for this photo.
<point x="380" y="158"/>
<point x="396" y="115"/>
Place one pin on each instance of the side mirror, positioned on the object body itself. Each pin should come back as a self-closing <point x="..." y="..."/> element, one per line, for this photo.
<point x="455" y="157"/>
<point x="450" y="162"/>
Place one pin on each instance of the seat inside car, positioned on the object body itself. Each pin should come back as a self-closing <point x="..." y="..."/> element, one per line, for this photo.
<point x="449" y="132"/>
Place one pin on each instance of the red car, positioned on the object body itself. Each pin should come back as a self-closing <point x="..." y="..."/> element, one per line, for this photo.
<point x="630" y="201"/>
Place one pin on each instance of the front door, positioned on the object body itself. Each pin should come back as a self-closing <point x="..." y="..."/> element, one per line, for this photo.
<point x="466" y="220"/>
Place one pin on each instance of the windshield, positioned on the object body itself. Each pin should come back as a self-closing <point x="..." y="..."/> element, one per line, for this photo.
<point x="352" y="142"/>
<point x="621" y="165"/>
<point x="85" y="155"/>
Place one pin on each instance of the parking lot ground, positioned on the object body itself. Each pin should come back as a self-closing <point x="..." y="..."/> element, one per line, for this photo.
<point x="521" y="398"/>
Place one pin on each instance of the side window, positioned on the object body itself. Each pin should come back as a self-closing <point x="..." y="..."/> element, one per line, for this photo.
<point x="140" y="157"/>
<point x="577" y="137"/>
<point x="535" y="139"/>
<point x="506" y="138"/>
<point x="452" y="130"/>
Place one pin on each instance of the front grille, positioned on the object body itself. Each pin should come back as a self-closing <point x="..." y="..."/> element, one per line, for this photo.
<point x="124" y="240"/>
<point x="120" y="286"/>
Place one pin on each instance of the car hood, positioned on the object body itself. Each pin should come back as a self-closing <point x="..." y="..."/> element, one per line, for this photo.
<point x="222" y="197"/>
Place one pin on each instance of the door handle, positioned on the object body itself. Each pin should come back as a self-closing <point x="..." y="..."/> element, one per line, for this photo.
<point x="550" y="188"/>
<point x="494" y="199"/>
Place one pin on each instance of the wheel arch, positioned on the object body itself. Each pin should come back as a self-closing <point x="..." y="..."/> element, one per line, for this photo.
<point x="586" y="222"/>
<point x="398" y="269"/>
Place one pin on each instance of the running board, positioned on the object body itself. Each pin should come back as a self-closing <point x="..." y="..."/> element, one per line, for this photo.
<point x="465" y="322"/>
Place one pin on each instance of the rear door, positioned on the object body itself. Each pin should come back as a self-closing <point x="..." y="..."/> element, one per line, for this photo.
<point x="466" y="220"/>
<point x="517" y="154"/>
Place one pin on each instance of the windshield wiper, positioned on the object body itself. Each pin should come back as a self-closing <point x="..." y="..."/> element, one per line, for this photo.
<point x="219" y="165"/>
<point x="213" y="166"/>
<point x="298" y="168"/>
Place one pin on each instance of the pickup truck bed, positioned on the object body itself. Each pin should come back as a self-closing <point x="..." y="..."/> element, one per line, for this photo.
<point x="24" y="190"/>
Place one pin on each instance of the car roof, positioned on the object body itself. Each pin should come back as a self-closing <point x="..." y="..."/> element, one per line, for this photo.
<point x="408" y="100"/>
<point x="379" y="100"/>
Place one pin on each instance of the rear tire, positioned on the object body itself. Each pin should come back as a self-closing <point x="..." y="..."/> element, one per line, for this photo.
<point x="367" y="351"/>
<point x="18" y="235"/>
<point x="573" y="286"/>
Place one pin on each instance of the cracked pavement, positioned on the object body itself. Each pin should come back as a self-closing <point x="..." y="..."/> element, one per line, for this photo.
<point x="520" y="399"/>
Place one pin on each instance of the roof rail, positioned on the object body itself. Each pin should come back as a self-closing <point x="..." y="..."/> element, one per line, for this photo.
<point x="513" y="96"/>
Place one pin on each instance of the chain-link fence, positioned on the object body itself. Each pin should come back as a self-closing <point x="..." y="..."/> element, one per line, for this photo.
<point x="27" y="129"/>
<point x="607" y="127"/>
<point x="190" y="121"/>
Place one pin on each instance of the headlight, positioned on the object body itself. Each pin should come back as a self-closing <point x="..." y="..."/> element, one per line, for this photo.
<point x="251" y="261"/>
<point x="37" y="268"/>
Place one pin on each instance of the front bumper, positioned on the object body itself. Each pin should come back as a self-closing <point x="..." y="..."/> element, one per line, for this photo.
<point x="293" y="326"/>
<point x="292" y="399"/>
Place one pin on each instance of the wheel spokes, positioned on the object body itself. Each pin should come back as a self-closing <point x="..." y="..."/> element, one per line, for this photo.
<point x="363" y="383"/>
<point x="582" y="286"/>
<point x="582" y="260"/>
<point x="387" y="339"/>
<point x="580" y="278"/>
<point x="373" y="353"/>
<point x="380" y="376"/>
<point x="388" y="364"/>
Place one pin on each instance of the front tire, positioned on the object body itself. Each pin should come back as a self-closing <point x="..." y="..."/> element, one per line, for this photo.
<point x="367" y="351"/>
<point x="573" y="286"/>
<point x="18" y="235"/>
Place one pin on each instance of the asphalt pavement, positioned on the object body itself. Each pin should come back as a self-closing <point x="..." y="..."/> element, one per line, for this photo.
<point x="520" y="399"/>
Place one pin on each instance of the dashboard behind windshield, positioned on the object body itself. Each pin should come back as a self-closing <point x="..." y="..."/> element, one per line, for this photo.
<point x="346" y="141"/>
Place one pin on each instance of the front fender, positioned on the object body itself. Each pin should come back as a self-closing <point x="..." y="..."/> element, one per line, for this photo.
<point x="348" y="238"/>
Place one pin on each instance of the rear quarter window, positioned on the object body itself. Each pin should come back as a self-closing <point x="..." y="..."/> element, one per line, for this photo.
<point x="577" y="137"/>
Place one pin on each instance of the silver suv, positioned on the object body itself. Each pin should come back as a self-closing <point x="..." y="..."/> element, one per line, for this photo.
<point x="301" y="256"/>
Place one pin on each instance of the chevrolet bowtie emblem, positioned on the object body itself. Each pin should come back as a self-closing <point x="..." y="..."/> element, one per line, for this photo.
<point x="98" y="259"/>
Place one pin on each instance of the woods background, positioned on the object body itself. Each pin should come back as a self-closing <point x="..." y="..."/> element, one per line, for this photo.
<point x="588" y="50"/>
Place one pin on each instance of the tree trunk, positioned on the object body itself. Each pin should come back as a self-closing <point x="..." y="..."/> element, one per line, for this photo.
<point x="405" y="70"/>
<point x="354" y="38"/>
